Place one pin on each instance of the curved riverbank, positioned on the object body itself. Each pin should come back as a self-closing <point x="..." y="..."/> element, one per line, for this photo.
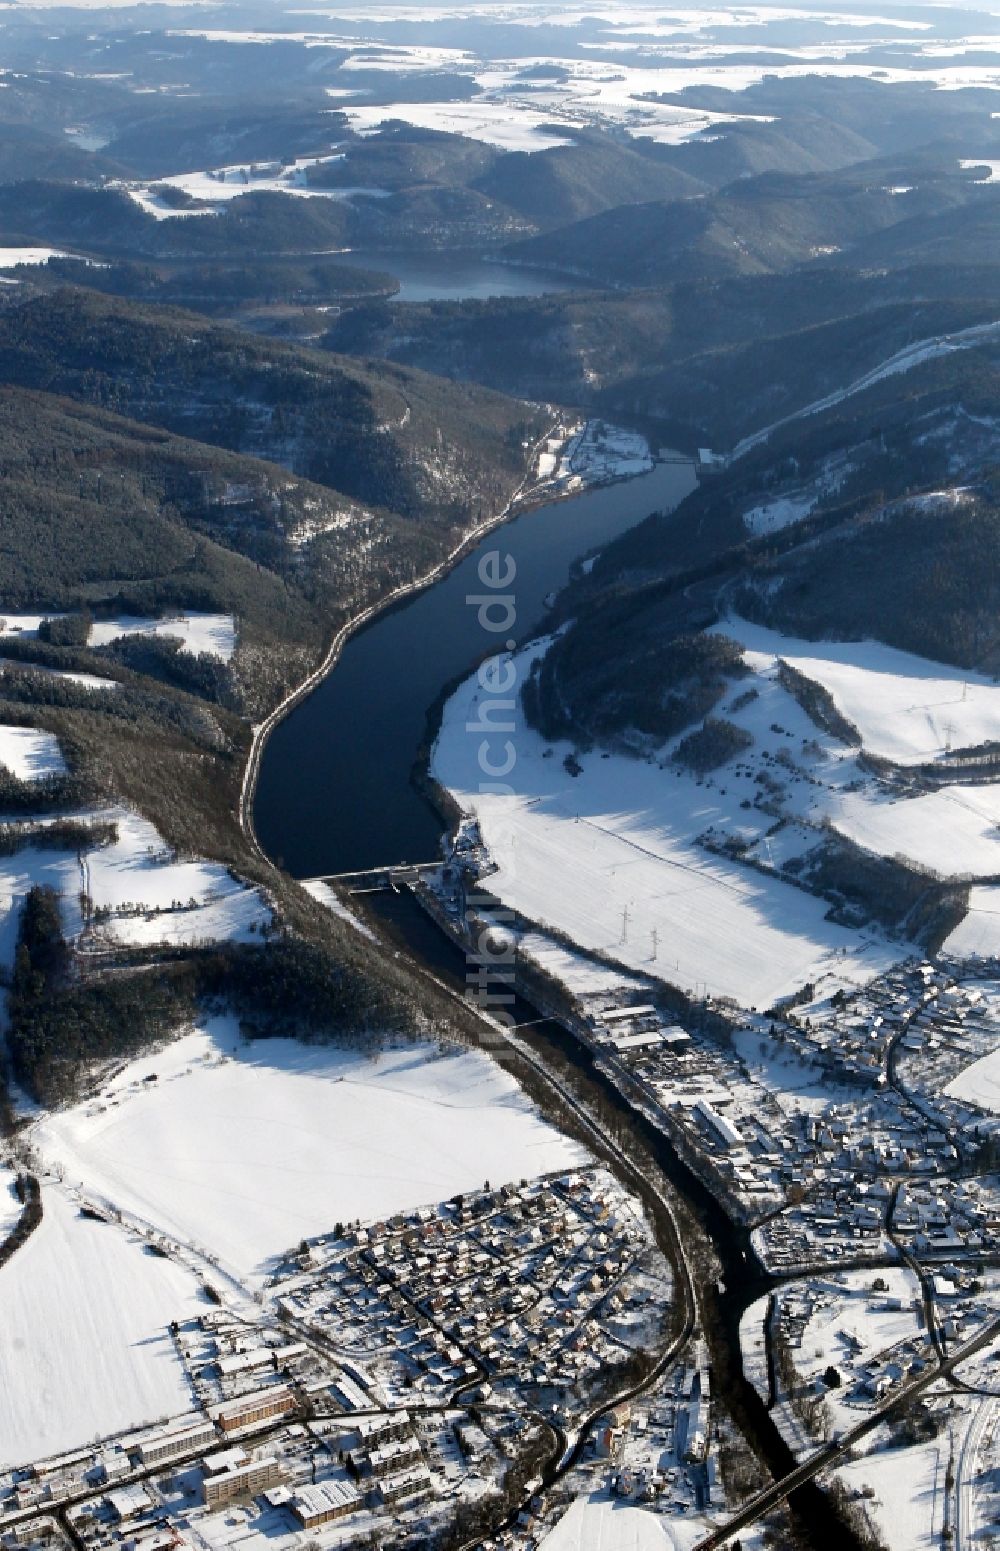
<point x="329" y="787"/>
<point x="372" y="611"/>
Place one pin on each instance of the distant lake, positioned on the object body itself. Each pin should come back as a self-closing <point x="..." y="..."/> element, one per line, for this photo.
<point x="455" y="277"/>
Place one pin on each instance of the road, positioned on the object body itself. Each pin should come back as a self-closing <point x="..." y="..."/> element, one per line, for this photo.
<point x="965" y="1474"/>
<point x="649" y="1190"/>
<point x="838" y="1448"/>
<point x="903" y="360"/>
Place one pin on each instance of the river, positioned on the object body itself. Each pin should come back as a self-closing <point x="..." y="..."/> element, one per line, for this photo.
<point x="334" y="792"/>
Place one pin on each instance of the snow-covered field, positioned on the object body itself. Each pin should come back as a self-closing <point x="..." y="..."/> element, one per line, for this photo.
<point x="154" y="898"/>
<point x="493" y="123"/>
<point x="624" y="857"/>
<point x="23" y="871"/>
<point x="242" y="1150"/>
<point x="954" y="831"/>
<point x="585" y="977"/>
<point x="776" y="512"/>
<point x="609" y="858"/>
<point x="85" y="1348"/>
<point x="753" y="1345"/>
<point x="992" y="169"/>
<point x="81" y="680"/>
<point x="909" y="1505"/>
<point x="216" y="186"/>
<point x="150" y="897"/>
<point x="620" y="86"/>
<point x="213" y="635"/>
<point x="600" y="1523"/>
<point x="10" y="1206"/>
<point x="978" y="936"/>
<point x="907" y="709"/>
<point x="136" y="868"/>
<point x="23" y="624"/>
<point x="979" y="1084"/>
<point x="780" y="512"/>
<point x="29" y="754"/>
<point x="11" y="257"/>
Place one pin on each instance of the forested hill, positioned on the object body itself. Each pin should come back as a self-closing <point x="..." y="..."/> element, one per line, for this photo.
<point x="153" y="463"/>
<point x="876" y="518"/>
<point x="383" y="435"/>
<point x="711" y="360"/>
<point x="756" y="225"/>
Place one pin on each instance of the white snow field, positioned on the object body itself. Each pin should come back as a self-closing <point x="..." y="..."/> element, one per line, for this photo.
<point x="753" y="1345"/>
<point x="583" y="976"/>
<point x="154" y="898"/>
<point x="10" y="1206"/>
<point x="10" y="258"/>
<point x="23" y="624"/>
<point x="978" y="936"/>
<point x="82" y="680"/>
<point x="85" y="1348"/>
<point x="29" y="754"/>
<point x="217" y="185"/>
<point x="773" y="515"/>
<point x="150" y="897"/>
<point x="211" y="634"/>
<point x="911" y="1499"/>
<point x="779" y="511"/>
<point x="609" y="858"/>
<point x="979" y="1083"/>
<point x="991" y="168"/>
<point x="516" y="118"/>
<point x="907" y="709"/>
<point x="954" y="831"/>
<point x="244" y="1149"/>
<point x="493" y="123"/>
<point x="23" y="871"/>
<point x="600" y="1523"/>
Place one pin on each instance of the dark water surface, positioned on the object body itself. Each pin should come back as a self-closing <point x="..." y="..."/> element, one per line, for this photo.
<point x="456" y="277"/>
<point x="334" y="793"/>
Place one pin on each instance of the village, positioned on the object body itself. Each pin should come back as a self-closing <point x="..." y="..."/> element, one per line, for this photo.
<point x="409" y="1368"/>
<point x="537" y="1288"/>
<point x="806" y="1119"/>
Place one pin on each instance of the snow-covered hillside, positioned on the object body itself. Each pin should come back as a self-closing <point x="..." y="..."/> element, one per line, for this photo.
<point x="29" y="754"/>
<point x="643" y="861"/>
<point x="86" y="1347"/>
<point x="211" y="634"/>
<point x="902" y="361"/>
<point x="138" y="891"/>
<point x="906" y="709"/>
<point x="245" y="1149"/>
<point x="609" y="857"/>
